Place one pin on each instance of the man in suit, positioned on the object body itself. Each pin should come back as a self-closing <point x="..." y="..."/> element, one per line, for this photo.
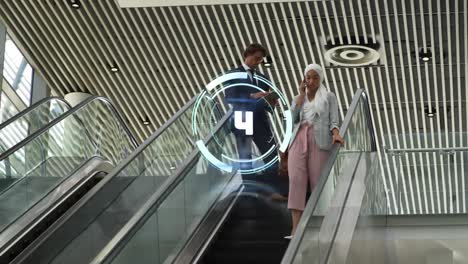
<point x="245" y="98"/>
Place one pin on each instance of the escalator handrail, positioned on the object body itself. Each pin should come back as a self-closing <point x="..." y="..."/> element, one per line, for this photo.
<point x="136" y="153"/>
<point x="312" y="203"/>
<point x="75" y="109"/>
<point x="25" y="112"/>
<point x="31" y="108"/>
<point x="150" y="206"/>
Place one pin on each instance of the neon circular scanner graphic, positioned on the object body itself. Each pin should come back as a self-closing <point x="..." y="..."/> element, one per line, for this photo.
<point x="224" y="151"/>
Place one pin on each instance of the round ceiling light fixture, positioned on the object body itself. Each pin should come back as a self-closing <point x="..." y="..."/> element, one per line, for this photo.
<point x="352" y="55"/>
<point x="145" y="121"/>
<point x="267" y="62"/>
<point x="75" y="4"/>
<point x="430" y="111"/>
<point x="425" y="56"/>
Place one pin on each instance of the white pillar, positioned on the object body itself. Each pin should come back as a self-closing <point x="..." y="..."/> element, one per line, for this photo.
<point x="74" y="130"/>
<point x="76" y="97"/>
<point x="39" y="89"/>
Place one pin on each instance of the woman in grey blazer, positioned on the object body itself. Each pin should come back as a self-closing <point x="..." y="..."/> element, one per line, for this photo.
<point x="315" y="113"/>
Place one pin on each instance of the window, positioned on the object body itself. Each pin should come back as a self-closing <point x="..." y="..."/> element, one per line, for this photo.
<point x="17" y="71"/>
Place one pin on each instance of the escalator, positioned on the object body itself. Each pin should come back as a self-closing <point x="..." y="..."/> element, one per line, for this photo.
<point x="89" y="223"/>
<point x="166" y="205"/>
<point x="46" y="172"/>
<point x="252" y="233"/>
<point x="212" y="216"/>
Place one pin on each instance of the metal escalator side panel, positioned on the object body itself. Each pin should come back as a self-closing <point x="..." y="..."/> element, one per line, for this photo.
<point x="91" y="107"/>
<point x="359" y="138"/>
<point x="60" y="147"/>
<point x="25" y="124"/>
<point x="351" y="210"/>
<point x="23" y="228"/>
<point x="194" y="177"/>
<point x="116" y="194"/>
<point x="30" y="120"/>
<point x="203" y="236"/>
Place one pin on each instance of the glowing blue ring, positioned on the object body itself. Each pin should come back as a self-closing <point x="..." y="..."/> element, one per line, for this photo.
<point x="224" y="88"/>
<point x="227" y="77"/>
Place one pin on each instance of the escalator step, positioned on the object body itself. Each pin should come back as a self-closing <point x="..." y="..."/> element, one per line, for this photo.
<point x="260" y="211"/>
<point x="245" y="252"/>
<point x="253" y="233"/>
<point x="252" y="230"/>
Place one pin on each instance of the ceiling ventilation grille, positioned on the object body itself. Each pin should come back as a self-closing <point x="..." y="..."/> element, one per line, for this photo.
<point x="353" y="53"/>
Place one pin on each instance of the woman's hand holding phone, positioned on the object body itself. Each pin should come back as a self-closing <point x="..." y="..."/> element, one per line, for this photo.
<point x="302" y="93"/>
<point x="302" y="87"/>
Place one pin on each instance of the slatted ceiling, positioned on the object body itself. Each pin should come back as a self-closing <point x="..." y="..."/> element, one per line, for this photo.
<point x="439" y="175"/>
<point x="99" y="66"/>
<point x="405" y="94"/>
<point x="446" y="177"/>
<point x="393" y="182"/>
<point x="123" y="44"/>
<point x="215" y="66"/>
<point x="188" y="61"/>
<point x="218" y="35"/>
<point x="460" y="83"/>
<point x="130" y="63"/>
<point x="167" y="54"/>
<point x="163" y="58"/>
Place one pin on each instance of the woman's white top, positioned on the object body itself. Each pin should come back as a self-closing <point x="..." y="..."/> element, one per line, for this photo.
<point x="310" y="110"/>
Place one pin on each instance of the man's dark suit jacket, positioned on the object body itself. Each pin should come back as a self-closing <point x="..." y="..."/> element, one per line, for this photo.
<point x="239" y="97"/>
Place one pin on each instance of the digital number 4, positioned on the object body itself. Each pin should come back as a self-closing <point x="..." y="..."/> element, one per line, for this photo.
<point x="241" y="125"/>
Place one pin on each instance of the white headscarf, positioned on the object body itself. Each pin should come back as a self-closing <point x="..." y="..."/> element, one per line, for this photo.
<point x="320" y="98"/>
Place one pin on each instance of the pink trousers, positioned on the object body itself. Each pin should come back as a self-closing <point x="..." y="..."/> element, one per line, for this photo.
<point x="305" y="162"/>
